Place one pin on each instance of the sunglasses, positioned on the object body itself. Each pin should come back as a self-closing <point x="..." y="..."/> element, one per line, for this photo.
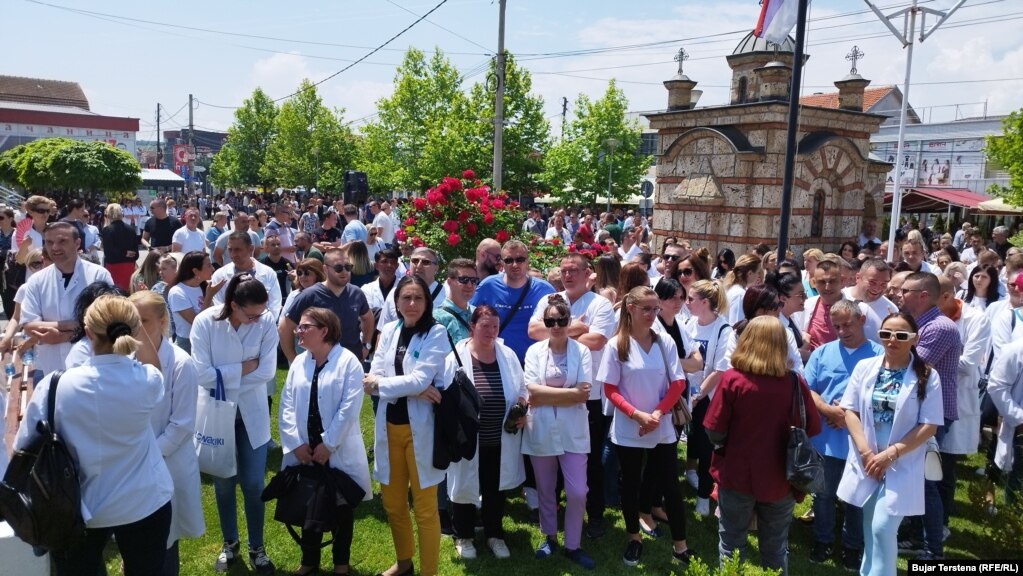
<point x="551" y="322"/>
<point x="339" y="268"/>
<point x="685" y="271"/>
<point x="303" y="327"/>
<point x="304" y="273"/>
<point x="900" y="335"/>
<point x="518" y="260"/>
<point x="463" y="280"/>
<point x="41" y="210"/>
<point x="671" y="257"/>
<point x="422" y="262"/>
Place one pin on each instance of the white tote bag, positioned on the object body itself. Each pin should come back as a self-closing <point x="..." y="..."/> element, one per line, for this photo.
<point x="214" y="432"/>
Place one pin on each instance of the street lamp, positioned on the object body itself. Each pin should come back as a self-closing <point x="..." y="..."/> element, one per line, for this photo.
<point x="316" y="153"/>
<point x="611" y="143"/>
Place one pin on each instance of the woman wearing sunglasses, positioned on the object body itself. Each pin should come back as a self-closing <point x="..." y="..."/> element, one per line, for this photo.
<point x="319" y="425"/>
<point x="642" y="379"/>
<point x="494" y="370"/>
<point x="558" y="379"/>
<point x="308" y="272"/>
<point x="892" y="406"/>
<point x="237" y="342"/>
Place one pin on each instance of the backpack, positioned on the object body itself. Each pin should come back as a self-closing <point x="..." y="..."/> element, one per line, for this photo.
<point x="40" y="495"/>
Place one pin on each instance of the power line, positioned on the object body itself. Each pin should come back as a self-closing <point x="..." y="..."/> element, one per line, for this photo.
<point x="449" y="31"/>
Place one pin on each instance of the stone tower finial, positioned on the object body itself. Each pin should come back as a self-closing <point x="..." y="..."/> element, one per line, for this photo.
<point x="854" y="56"/>
<point x="681" y="57"/>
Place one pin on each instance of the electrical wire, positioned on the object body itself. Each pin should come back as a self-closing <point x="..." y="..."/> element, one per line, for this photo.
<point x="449" y="31"/>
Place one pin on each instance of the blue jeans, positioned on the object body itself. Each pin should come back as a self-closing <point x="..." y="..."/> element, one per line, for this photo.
<point x="932" y="527"/>
<point x="773" y="520"/>
<point x="824" y="510"/>
<point x="251" y="474"/>
<point x="880" y="536"/>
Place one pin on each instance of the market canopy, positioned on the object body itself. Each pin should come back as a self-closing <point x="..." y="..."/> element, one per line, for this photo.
<point x="161" y="176"/>
<point x="997" y="206"/>
<point x="927" y="200"/>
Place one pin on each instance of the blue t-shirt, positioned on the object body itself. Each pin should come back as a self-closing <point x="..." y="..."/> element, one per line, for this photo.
<point x="494" y="292"/>
<point x="354" y="230"/>
<point x="349" y="307"/>
<point x="883" y="400"/>
<point x="827" y="373"/>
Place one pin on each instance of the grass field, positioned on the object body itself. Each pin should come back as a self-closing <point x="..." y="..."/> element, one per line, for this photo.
<point x="372" y="550"/>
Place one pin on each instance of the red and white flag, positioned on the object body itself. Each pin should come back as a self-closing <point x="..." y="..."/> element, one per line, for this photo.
<point x="777" y="19"/>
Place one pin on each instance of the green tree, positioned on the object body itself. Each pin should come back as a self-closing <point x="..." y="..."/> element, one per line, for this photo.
<point x="577" y="166"/>
<point x="466" y="139"/>
<point x="62" y="168"/>
<point x="311" y="146"/>
<point x="1007" y="151"/>
<point x="392" y="151"/>
<point x="240" y="162"/>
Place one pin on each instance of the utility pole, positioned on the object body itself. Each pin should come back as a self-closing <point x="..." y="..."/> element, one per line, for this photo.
<point x="159" y="152"/>
<point x="788" y="177"/>
<point x="499" y="102"/>
<point x="564" y="115"/>
<point x="191" y="147"/>
<point x="906" y="36"/>
<point x="611" y="143"/>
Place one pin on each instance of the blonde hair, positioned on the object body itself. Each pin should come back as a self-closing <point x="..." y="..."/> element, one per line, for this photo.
<point x="114" y="212"/>
<point x="762" y="349"/>
<point x="711" y="291"/>
<point x="625" y="324"/>
<point x="745" y="266"/>
<point x="155" y="303"/>
<point x="813" y="253"/>
<point x="114" y="320"/>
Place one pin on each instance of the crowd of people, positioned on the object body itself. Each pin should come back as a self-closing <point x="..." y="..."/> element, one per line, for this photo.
<point x="577" y="371"/>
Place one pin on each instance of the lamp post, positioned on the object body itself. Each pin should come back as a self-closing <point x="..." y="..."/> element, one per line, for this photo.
<point x="316" y="153"/>
<point x="611" y="143"/>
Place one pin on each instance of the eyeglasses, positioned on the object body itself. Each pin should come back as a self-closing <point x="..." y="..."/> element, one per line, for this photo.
<point x="648" y="309"/>
<point x="339" y="268"/>
<point x="303" y="327"/>
<point x="254" y="317"/>
<point x="518" y="260"/>
<point x="304" y="273"/>
<point x="36" y="264"/>
<point x="41" y="210"/>
<point x="685" y="271"/>
<point x="422" y="262"/>
<point x="463" y="280"/>
<point x="671" y="257"/>
<point x="900" y="335"/>
<point x="551" y="322"/>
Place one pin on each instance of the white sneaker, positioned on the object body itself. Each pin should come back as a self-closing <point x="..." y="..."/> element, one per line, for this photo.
<point x="465" y="548"/>
<point x="703" y="507"/>
<point x="531" y="498"/>
<point x="693" y="478"/>
<point x="498" y="547"/>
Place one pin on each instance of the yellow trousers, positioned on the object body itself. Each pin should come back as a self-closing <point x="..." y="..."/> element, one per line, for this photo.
<point x="424" y="503"/>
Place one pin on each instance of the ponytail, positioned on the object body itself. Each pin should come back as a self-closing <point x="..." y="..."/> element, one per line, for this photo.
<point x="923" y="373"/>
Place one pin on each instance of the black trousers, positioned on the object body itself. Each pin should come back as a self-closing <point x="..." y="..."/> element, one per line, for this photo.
<point x="492" y="509"/>
<point x="700" y="449"/>
<point x="595" y="503"/>
<point x="661" y="467"/>
<point x="143" y="545"/>
<point x="340" y="549"/>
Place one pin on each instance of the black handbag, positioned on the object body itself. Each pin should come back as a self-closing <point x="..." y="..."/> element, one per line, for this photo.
<point x="306" y="497"/>
<point x="804" y="466"/>
<point x="680" y="414"/>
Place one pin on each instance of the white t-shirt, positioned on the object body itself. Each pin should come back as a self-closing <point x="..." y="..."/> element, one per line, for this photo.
<point x="882" y="307"/>
<point x="386" y="226"/>
<point x="190" y="240"/>
<point x="734" y="295"/>
<point x="184" y="297"/>
<point x="713" y="342"/>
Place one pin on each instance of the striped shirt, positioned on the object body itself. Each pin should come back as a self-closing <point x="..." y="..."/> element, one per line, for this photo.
<point x="487" y="377"/>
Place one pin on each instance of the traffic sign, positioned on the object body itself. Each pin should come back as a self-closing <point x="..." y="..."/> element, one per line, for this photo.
<point x="647" y="188"/>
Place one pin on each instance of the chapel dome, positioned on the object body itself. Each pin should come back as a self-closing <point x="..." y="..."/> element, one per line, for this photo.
<point x="752" y="44"/>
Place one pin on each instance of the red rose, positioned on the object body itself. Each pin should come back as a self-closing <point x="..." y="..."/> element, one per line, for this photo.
<point x="450" y="226"/>
<point x="469" y="175"/>
<point x="452" y="183"/>
<point x="471" y="229"/>
<point x="513" y="203"/>
<point x="488" y="218"/>
<point x="400" y="235"/>
<point x="571" y="248"/>
<point x="501" y="236"/>
<point x="410" y="221"/>
<point x="417" y="242"/>
<point x="437" y="213"/>
<point x="497" y="203"/>
<point x="435" y="197"/>
<point x="419" y="204"/>
<point x="454" y="239"/>
<point x="463" y="216"/>
<point x="555" y="241"/>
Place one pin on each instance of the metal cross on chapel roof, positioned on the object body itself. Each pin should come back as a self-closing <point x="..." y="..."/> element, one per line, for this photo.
<point x="854" y="56"/>
<point x="681" y="57"/>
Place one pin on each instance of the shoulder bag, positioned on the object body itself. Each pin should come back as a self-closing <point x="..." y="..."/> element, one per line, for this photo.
<point x="518" y="304"/>
<point x="680" y="414"/>
<point x="804" y="466"/>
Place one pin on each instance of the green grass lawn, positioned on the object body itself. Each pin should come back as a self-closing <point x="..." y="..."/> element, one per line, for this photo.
<point x="372" y="550"/>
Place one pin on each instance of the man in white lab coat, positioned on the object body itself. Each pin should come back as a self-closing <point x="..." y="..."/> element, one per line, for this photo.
<point x="48" y="311"/>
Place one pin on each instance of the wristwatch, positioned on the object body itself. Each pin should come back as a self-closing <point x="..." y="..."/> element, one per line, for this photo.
<point x="366" y="346"/>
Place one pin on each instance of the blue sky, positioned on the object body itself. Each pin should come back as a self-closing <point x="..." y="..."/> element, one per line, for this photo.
<point x="127" y="66"/>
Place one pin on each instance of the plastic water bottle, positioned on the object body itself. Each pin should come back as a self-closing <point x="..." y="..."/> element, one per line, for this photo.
<point x="29" y="356"/>
<point x="9" y="369"/>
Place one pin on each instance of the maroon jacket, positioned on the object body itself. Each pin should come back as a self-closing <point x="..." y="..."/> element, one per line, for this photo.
<point x="755" y="413"/>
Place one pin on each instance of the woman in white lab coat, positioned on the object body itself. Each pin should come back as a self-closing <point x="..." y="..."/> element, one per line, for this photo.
<point x="126" y="488"/>
<point x="237" y="340"/>
<point x="409" y="359"/>
<point x="494" y="370"/>
<point x="173" y="421"/>
<point x="324" y="429"/>
<point x="893" y="405"/>
<point x="557" y="434"/>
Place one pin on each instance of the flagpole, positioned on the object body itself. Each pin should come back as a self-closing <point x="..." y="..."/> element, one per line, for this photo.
<point x="793" y="128"/>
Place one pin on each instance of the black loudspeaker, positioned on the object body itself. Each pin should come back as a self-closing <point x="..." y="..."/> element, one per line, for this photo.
<point x="356" y="187"/>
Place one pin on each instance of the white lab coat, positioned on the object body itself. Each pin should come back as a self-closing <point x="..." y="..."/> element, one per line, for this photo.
<point x="173" y="421"/>
<point x="904" y="480"/>
<point x="1007" y="395"/>
<point x="553" y="431"/>
<point x="963" y="435"/>
<point x="464" y="475"/>
<point x="103" y="413"/>
<point x="423" y="365"/>
<point x="339" y="395"/>
<point x="47" y="300"/>
<point x="266" y="276"/>
<point x="389" y="313"/>
<point x="216" y="345"/>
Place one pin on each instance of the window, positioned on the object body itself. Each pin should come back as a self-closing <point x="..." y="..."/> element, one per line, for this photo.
<point x="741" y="91"/>
<point x="817" y="215"/>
